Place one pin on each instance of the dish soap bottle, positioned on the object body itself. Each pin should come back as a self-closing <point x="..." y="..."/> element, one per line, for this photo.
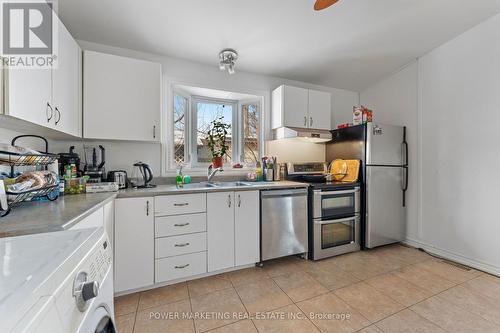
<point x="179" y="178"/>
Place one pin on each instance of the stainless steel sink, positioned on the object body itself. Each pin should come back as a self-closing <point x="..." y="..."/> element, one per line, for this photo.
<point x="198" y="185"/>
<point x="232" y="184"/>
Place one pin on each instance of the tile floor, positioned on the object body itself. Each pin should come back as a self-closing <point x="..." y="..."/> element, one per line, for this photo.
<point x="391" y="289"/>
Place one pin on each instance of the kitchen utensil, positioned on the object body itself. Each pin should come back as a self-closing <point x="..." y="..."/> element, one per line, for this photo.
<point x="141" y="176"/>
<point x="69" y="158"/>
<point x="94" y="163"/>
<point x="119" y="177"/>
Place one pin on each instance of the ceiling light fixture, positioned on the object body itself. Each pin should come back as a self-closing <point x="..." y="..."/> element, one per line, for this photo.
<point x="227" y="59"/>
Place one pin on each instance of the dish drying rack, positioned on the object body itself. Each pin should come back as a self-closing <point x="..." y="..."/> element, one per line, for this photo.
<point x="14" y="160"/>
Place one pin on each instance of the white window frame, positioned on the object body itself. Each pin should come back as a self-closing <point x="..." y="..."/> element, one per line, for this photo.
<point x="261" y="97"/>
<point x="193" y="154"/>
<point x="187" y="138"/>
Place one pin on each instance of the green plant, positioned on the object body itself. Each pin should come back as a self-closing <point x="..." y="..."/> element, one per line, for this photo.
<point x="217" y="137"/>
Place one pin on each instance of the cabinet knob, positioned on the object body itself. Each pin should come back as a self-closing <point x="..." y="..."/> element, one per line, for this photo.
<point x="239" y="200"/>
<point x="311" y="121"/>
<point x="229" y="201"/>
<point x="147" y="208"/>
<point x="305" y="121"/>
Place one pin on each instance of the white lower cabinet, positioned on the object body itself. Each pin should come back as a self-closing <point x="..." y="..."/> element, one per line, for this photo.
<point x="232" y="229"/>
<point x="178" y="245"/>
<point x="180" y="266"/>
<point x="246" y="228"/>
<point x="134" y="243"/>
<point x="220" y="230"/>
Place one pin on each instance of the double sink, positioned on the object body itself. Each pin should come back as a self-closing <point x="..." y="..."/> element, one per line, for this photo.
<point x="214" y="185"/>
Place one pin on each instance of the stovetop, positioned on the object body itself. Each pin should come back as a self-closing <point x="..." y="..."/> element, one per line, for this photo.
<point x="319" y="182"/>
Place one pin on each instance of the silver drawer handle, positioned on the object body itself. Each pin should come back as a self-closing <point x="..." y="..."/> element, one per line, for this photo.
<point x="181" y="245"/>
<point x="181" y="267"/>
<point x="181" y="204"/>
<point x="181" y="224"/>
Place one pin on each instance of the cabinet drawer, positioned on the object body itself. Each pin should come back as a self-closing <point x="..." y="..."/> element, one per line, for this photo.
<point x="180" y="204"/>
<point x="177" y="245"/>
<point x="181" y="266"/>
<point x="180" y="224"/>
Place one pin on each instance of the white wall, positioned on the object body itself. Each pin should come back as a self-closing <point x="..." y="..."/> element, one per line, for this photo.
<point x="457" y="88"/>
<point x="185" y="72"/>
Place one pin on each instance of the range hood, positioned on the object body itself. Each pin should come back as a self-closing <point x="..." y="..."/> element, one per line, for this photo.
<point x="304" y="134"/>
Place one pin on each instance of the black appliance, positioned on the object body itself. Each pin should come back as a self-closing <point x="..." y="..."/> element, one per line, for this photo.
<point x="69" y="158"/>
<point x="94" y="164"/>
<point x="142" y="176"/>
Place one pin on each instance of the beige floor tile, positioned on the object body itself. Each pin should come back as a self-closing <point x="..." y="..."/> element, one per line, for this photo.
<point x="282" y="266"/>
<point x="247" y="275"/>
<point x="263" y="295"/>
<point x="369" y="301"/>
<point x="125" y="323"/>
<point x="300" y="286"/>
<point x="173" y="317"/>
<point x="331" y="314"/>
<point x="363" y="267"/>
<point x="126" y="304"/>
<point x="371" y="329"/>
<point x="163" y="295"/>
<point x="332" y="278"/>
<point x="285" y="320"/>
<point x="222" y="307"/>
<point x="467" y="298"/>
<point x="244" y="326"/>
<point x="400" y="290"/>
<point x="452" y="318"/>
<point x="487" y="285"/>
<point x="408" y="321"/>
<point x="448" y="271"/>
<point x="408" y="255"/>
<point x="424" y="279"/>
<point x="208" y="284"/>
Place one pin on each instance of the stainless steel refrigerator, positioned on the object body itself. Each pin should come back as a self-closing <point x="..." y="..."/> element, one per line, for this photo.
<point x="383" y="152"/>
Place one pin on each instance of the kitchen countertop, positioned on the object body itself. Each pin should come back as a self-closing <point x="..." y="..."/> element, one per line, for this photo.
<point x="196" y="188"/>
<point x="48" y="216"/>
<point x="62" y="214"/>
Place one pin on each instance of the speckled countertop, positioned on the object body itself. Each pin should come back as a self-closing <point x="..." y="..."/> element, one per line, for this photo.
<point x="65" y="212"/>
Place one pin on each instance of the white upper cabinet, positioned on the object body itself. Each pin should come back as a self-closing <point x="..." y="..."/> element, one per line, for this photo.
<point x="121" y="98"/>
<point x="48" y="97"/>
<point x="66" y="85"/>
<point x="299" y="107"/>
<point x="320" y="109"/>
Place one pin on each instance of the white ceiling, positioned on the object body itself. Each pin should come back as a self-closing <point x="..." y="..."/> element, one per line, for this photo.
<point x="350" y="45"/>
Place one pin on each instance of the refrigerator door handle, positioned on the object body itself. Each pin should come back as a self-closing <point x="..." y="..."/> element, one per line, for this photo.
<point x="404" y="150"/>
<point x="404" y="184"/>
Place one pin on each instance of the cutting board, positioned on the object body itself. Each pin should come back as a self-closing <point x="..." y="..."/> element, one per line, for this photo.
<point x="345" y="170"/>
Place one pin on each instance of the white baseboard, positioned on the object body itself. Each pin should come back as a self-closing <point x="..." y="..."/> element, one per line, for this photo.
<point x="485" y="267"/>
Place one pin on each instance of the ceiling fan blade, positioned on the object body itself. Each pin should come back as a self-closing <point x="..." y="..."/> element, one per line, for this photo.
<point x="322" y="4"/>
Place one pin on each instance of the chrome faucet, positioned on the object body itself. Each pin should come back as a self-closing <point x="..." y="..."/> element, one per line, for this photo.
<point x="211" y="172"/>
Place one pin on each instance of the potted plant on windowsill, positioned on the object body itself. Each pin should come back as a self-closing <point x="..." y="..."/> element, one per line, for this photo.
<point x="217" y="141"/>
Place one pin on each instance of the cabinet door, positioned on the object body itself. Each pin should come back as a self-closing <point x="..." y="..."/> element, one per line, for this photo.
<point x="320" y="110"/>
<point x="295" y="107"/>
<point x="28" y="95"/>
<point x="134" y="243"/>
<point x="66" y="78"/>
<point x="220" y="230"/>
<point x="121" y="98"/>
<point x="246" y="228"/>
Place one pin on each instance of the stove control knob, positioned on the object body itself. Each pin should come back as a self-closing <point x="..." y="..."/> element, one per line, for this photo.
<point x="90" y="290"/>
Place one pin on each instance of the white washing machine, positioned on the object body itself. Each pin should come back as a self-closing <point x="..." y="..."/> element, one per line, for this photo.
<point x="57" y="282"/>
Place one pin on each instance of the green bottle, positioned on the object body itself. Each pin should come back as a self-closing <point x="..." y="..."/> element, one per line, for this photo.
<point x="179" y="179"/>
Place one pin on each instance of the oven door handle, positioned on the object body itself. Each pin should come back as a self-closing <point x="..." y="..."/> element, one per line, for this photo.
<point x="322" y="193"/>
<point x="319" y="222"/>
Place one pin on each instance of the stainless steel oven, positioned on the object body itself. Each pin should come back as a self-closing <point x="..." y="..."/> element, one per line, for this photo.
<point x="336" y="222"/>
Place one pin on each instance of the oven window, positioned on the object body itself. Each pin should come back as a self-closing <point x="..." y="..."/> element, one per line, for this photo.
<point x="337" y="234"/>
<point x="337" y="205"/>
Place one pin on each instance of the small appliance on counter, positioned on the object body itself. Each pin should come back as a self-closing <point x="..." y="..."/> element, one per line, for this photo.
<point x="68" y="159"/>
<point x="94" y="163"/>
<point x="142" y="176"/>
<point x="119" y="177"/>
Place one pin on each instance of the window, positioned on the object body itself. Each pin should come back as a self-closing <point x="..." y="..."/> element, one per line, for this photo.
<point x="192" y="116"/>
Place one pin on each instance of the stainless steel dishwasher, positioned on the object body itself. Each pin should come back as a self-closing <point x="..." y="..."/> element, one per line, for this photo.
<point x="283" y="223"/>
